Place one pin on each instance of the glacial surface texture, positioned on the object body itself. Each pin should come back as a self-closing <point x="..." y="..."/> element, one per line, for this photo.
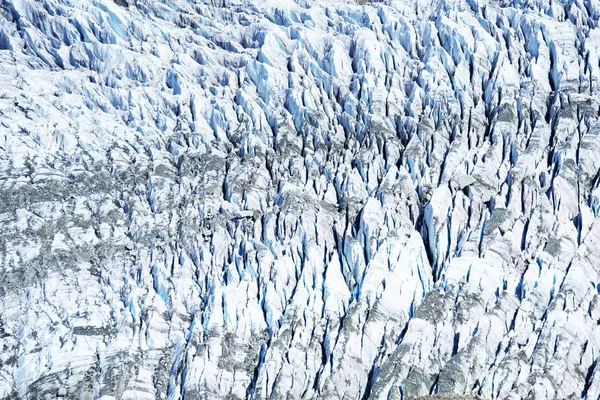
<point x="277" y="199"/>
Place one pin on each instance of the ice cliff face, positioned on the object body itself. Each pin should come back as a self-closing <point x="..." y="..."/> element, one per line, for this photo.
<point x="311" y="199"/>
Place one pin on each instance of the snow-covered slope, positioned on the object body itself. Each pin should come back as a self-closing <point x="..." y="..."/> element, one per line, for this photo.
<point x="312" y="199"/>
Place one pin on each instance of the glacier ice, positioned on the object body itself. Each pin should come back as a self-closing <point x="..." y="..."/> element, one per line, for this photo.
<point x="299" y="199"/>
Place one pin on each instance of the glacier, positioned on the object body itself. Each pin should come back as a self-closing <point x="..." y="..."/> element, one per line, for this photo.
<point x="300" y="199"/>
